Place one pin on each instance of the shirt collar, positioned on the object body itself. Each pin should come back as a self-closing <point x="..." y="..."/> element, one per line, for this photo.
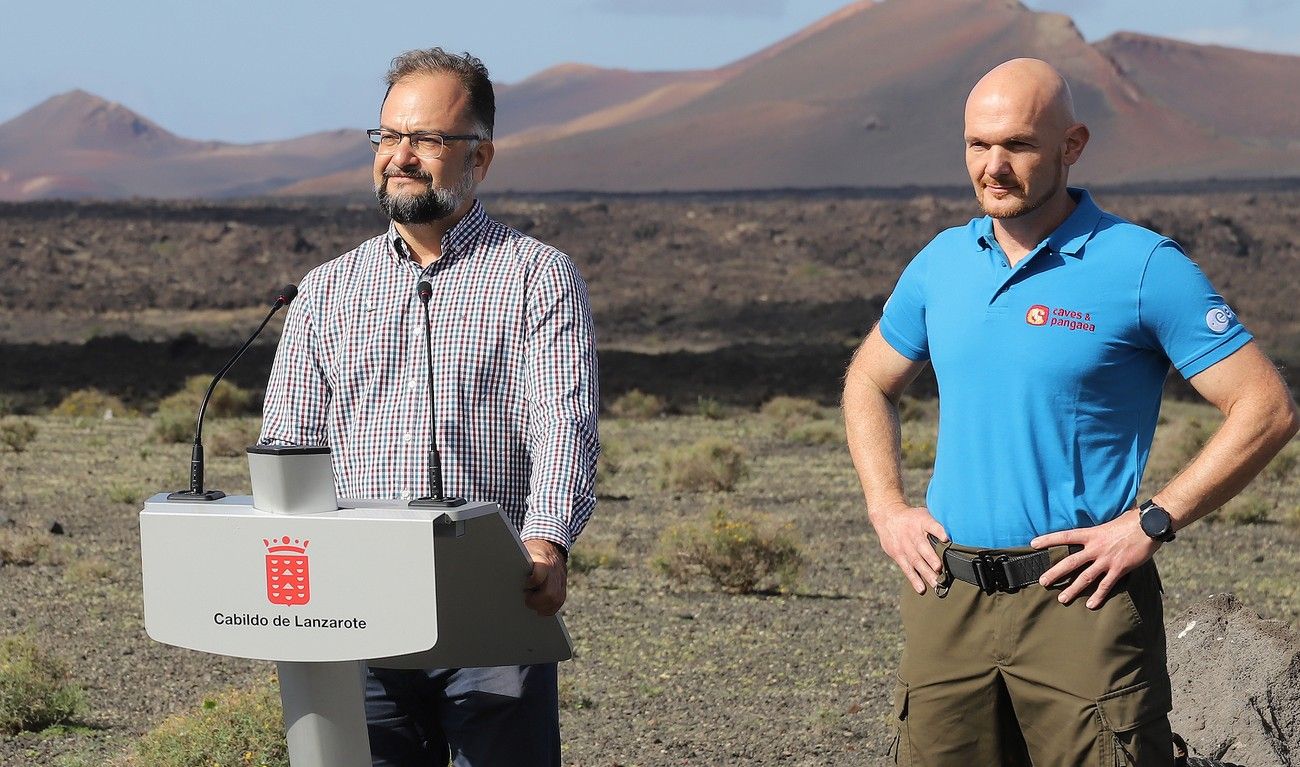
<point x="1069" y="238"/>
<point x="1075" y="231"/>
<point x="455" y="243"/>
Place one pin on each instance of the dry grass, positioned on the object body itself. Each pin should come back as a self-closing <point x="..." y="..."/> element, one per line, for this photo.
<point x="35" y="689"/>
<point x="90" y="403"/>
<point x="234" y="728"/>
<point x="227" y="399"/>
<point x="588" y="557"/>
<point x="1245" y="509"/>
<point x="16" y="434"/>
<point x="918" y="453"/>
<point x="637" y="405"/>
<point x="23" y="547"/>
<point x="817" y="433"/>
<point x="788" y="412"/>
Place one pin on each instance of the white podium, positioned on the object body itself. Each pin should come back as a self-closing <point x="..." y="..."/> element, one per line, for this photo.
<point x="324" y="587"/>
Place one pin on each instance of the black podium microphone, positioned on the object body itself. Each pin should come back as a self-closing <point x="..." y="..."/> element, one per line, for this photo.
<point x="196" y="491"/>
<point x="436" y="498"/>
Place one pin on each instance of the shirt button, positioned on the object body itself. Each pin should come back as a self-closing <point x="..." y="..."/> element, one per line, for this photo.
<point x="412" y="384"/>
<point x="406" y="495"/>
<point x="408" y="437"/>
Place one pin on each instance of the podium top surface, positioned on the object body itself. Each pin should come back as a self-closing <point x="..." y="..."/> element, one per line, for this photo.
<point x="349" y="508"/>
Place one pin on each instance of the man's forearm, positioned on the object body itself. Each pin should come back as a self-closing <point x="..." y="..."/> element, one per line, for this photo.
<point x="1251" y="434"/>
<point x="874" y="436"/>
<point x="876" y="379"/>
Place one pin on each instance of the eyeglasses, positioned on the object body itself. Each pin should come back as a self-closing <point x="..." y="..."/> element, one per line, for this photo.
<point x="426" y="145"/>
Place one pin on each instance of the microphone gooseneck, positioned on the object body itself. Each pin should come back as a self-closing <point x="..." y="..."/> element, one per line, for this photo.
<point x="196" y="491"/>
<point x="436" y="497"/>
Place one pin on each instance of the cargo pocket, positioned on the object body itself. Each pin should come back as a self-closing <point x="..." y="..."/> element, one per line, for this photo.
<point x="900" y="748"/>
<point x="1133" y="726"/>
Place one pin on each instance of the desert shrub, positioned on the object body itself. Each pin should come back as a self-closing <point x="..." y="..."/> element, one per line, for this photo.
<point x="90" y="403"/>
<point x="788" y="412"/>
<point x="35" y="689"/>
<point x="174" y="426"/>
<point x="230" y="440"/>
<point x="739" y="554"/>
<point x="23" y="547"/>
<point x="638" y="405"/>
<point x="918" y="453"/>
<point x="586" y="559"/>
<point x="124" y="492"/>
<point x="817" y="433"/>
<point x="1245" y="510"/>
<point x="17" y="435"/>
<point x="227" y="399"/>
<point x="710" y="464"/>
<point x="87" y="570"/>
<point x="707" y="407"/>
<point x="236" y="728"/>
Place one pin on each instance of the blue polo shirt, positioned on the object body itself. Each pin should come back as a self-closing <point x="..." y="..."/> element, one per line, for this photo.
<point x="1050" y="373"/>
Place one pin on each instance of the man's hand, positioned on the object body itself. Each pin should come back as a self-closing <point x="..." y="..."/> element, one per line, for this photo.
<point x="545" y="590"/>
<point x="1113" y="549"/>
<point x="902" y="531"/>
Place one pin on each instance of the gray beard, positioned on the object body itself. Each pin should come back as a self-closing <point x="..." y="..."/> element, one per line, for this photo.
<point x="431" y="205"/>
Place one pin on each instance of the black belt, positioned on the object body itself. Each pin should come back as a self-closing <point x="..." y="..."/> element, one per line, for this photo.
<point x="992" y="570"/>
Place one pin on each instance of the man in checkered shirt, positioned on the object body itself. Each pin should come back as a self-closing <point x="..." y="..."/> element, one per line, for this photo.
<point x="514" y="385"/>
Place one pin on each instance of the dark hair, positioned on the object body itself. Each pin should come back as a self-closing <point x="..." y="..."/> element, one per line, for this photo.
<point x="471" y="72"/>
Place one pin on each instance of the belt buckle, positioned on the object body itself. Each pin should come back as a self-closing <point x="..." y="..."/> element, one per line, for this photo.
<point x="992" y="573"/>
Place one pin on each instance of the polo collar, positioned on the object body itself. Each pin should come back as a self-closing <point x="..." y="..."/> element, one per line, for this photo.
<point x="1075" y="231"/>
<point x="455" y="243"/>
<point x="1069" y="238"/>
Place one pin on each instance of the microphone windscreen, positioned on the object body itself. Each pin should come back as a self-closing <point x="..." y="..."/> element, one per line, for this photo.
<point x="425" y="289"/>
<point x="287" y="294"/>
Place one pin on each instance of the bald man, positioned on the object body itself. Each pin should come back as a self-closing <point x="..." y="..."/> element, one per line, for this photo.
<point x="1030" y="600"/>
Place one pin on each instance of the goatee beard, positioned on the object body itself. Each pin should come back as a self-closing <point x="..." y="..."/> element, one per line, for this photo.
<point x="432" y="204"/>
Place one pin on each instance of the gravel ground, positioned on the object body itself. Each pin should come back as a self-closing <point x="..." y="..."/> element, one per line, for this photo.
<point x="664" y="674"/>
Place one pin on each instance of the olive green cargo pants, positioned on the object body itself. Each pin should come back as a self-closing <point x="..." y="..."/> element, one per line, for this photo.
<point x="1020" y="679"/>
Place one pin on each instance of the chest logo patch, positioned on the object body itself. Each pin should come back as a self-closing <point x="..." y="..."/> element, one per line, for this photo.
<point x="1219" y="318"/>
<point x="1039" y="315"/>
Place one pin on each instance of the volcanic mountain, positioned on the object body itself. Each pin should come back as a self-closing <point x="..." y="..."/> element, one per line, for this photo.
<point x="77" y="145"/>
<point x="870" y="96"/>
<point x="874" y="98"/>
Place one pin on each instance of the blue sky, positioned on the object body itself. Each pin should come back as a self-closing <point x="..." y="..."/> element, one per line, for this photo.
<point x="237" y="70"/>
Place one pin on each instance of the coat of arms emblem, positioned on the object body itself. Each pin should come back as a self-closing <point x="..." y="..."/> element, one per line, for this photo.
<point x="288" y="579"/>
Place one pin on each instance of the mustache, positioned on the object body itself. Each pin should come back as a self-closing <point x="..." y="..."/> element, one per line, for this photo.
<point x="415" y="174"/>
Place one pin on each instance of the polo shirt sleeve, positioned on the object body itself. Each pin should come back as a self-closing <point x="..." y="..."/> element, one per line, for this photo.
<point x="903" y="323"/>
<point x="1182" y="313"/>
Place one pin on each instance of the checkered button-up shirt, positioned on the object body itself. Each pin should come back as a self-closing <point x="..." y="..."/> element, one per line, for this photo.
<point x="514" y="375"/>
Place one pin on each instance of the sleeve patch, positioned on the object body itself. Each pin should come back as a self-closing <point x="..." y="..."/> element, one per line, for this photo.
<point x="1219" y="318"/>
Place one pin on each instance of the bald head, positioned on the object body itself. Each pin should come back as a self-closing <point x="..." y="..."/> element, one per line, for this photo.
<point x="1029" y="88"/>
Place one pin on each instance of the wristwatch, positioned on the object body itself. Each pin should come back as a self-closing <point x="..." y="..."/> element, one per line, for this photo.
<point x="1156" y="522"/>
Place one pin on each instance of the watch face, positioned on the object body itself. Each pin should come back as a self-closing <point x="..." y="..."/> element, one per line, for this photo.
<point x="1155" y="522"/>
